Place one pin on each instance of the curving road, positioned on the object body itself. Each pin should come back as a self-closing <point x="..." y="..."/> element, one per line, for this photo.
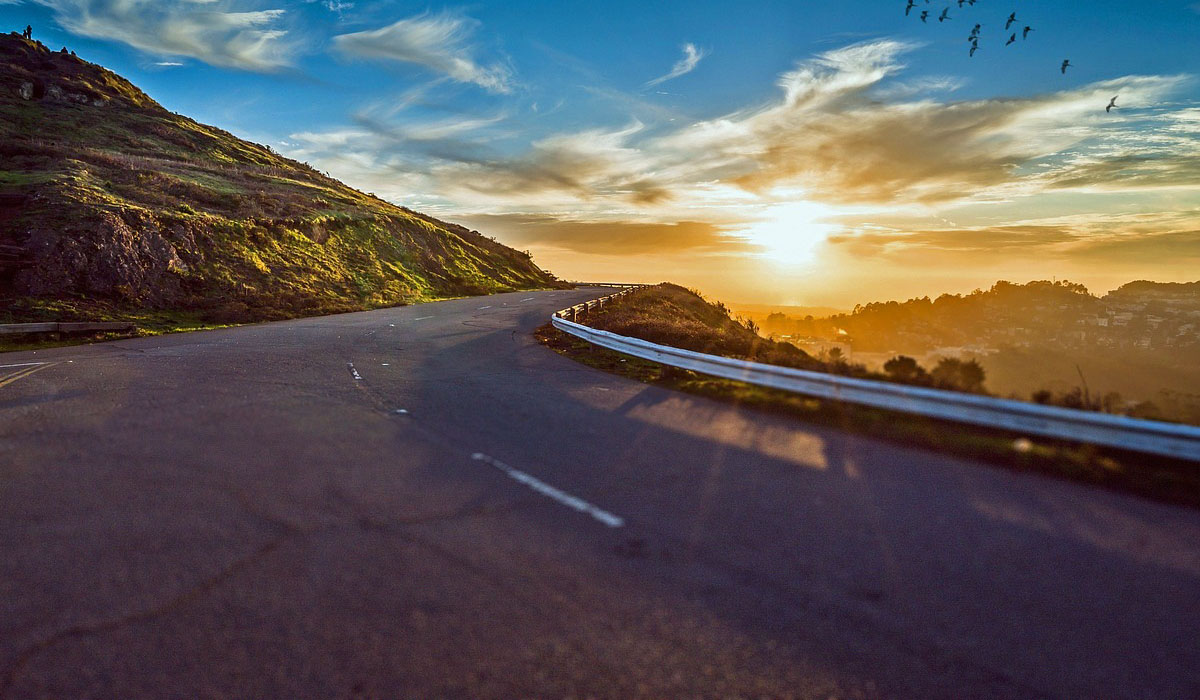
<point x="423" y="502"/>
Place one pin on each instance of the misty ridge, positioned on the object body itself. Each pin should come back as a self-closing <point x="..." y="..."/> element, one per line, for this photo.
<point x="1134" y="351"/>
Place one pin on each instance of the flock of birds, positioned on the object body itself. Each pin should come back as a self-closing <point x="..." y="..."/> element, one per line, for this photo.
<point x="973" y="38"/>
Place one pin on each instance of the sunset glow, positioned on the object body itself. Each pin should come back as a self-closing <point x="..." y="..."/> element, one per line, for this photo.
<point x="792" y="233"/>
<point x="830" y="153"/>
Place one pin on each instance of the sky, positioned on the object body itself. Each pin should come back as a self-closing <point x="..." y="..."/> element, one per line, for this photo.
<point x="791" y="153"/>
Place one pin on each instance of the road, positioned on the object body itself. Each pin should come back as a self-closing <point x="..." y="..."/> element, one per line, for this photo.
<point x="423" y="502"/>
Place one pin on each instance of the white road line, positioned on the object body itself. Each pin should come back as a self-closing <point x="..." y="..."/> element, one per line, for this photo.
<point x="354" y="372"/>
<point x="545" y="489"/>
<point x="529" y="299"/>
<point x="484" y="307"/>
<point x="24" y="364"/>
<point x="422" y="318"/>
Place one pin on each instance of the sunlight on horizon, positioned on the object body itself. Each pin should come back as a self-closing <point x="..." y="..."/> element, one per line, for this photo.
<point x="790" y="233"/>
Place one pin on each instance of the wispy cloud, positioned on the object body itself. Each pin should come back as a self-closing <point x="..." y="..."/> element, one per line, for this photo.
<point x="218" y="32"/>
<point x="334" y="5"/>
<point x="437" y="42"/>
<point x="687" y="64"/>
<point x="616" y="237"/>
<point x="838" y="133"/>
<point x="1130" y="238"/>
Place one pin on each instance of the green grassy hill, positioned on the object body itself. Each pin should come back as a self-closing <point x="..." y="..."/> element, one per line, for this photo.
<point x="111" y="206"/>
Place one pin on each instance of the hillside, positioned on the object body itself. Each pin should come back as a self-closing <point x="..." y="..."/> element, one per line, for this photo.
<point x="110" y="205"/>
<point x="671" y="315"/>
<point x="1134" y="350"/>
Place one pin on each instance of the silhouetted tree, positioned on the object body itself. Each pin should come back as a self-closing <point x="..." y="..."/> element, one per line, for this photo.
<point x="1112" y="402"/>
<point x="905" y="369"/>
<point x="963" y="375"/>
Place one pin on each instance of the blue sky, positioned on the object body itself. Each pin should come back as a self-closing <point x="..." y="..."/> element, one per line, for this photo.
<point x="777" y="152"/>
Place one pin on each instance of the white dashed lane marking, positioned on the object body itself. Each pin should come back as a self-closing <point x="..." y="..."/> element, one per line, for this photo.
<point x="422" y="318"/>
<point x="549" y="491"/>
<point x="484" y="307"/>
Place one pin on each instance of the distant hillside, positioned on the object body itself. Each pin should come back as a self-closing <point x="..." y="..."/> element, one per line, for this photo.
<point x="108" y="202"/>
<point x="1141" y="341"/>
<point x="1143" y="289"/>
<point x="1146" y="315"/>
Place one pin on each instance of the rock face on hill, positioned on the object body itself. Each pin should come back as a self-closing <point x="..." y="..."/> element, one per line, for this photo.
<point x="108" y="200"/>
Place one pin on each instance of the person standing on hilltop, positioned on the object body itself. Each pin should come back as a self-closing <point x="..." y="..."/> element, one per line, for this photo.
<point x="28" y="31"/>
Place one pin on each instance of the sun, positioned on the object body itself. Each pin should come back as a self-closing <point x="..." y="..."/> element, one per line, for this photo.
<point x="790" y="233"/>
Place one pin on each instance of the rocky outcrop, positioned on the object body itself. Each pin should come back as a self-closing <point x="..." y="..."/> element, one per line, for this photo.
<point x="35" y="90"/>
<point x="104" y="257"/>
<point x="58" y="94"/>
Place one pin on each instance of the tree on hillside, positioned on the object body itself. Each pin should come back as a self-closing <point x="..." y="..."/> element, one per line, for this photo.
<point x="905" y="369"/>
<point x="962" y="375"/>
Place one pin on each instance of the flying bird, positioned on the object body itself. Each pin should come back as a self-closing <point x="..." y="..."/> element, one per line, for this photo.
<point x="1025" y="35"/>
<point x="924" y="15"/>
<point x="909" y="7"/>
<point x="945" y="15"/>
<point x="1011" y="18"/>
<point x="1111" y="103"/>
<point x="1065" y="65"/>
<point x="1011" y="39"/>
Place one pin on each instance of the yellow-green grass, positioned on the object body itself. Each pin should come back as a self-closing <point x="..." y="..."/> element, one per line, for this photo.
<point x="129" y="207"/>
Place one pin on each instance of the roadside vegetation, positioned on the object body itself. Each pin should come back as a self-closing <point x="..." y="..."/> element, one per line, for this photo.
<point x="675" y="316"/>
<point x="671" y="315"/>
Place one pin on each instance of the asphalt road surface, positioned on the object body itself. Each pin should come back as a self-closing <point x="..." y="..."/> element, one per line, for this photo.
<point x="423" y="502"/>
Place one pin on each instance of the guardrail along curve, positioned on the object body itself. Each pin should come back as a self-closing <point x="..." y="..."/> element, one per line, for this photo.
<point x="1152" y="437"/>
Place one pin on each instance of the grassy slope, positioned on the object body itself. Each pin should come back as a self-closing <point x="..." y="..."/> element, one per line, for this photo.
<point x="132" y="210"/>
<point x="672" y="315"/>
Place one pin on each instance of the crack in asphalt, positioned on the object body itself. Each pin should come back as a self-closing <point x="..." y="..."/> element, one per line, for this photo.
<point x="84" y="630"/>
<point x="394" y="526"/>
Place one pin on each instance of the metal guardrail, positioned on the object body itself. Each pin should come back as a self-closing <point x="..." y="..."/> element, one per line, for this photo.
<point x="1147" y="436"/>
<point x="605" y="284"/>
<point x="575" y="312"/>
<point x="63" y="327"/>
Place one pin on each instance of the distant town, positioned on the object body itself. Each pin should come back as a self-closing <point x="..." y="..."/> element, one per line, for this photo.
<point x="1146" y="315"/>
<point x="1138" y="346"/>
